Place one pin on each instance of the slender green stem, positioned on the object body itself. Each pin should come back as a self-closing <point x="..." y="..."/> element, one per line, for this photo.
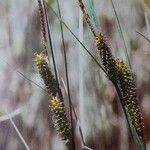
<point x="67" y="78"/>
<point x="78" y="40"/>
<point x="25" y="77"/>
<point x="51" y="47"/>
<point x="75" y="114"/>
<point x="121" y="32"/>
<point x="143" y="36"/>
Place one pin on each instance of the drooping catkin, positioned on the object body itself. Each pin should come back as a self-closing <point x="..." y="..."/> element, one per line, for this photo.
<point x="61" y="122"/>
<point x="46" y="74"/>
<point x="106" y="56"/>
<point x="128" y="89"/>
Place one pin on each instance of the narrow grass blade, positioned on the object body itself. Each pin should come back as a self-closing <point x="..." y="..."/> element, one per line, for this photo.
<point x="75" y="114"/>
<point x="86" y="148"/>
<point x="147" y="24"/>
<point x="87" y="17"/>
<point x="50" y="43"/>
<point x="77" y="39"/>
<point x="143" y="36"/>
<point x="121" y="33"/>
<point x="18" y="132"/>
<point x="24" y="76"/>
<point x="12" y="114"/>
<point x="67" y="78"/>
<point x="92" y="13"/>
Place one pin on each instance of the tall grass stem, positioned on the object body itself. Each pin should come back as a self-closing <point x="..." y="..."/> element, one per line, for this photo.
<point x="67" y="78"/>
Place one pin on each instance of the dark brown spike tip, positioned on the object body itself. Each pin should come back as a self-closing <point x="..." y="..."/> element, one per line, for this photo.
<point x="42" y="23"/>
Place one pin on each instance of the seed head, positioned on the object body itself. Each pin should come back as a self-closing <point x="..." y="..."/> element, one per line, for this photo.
<point x="46" y="74"/>
<point x="128" y="89"/>
<point x="106" y="56"/>
<point x="60" y="120"/>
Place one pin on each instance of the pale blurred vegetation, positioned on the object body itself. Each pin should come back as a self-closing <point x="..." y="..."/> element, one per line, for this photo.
<point x="101" y="115"/>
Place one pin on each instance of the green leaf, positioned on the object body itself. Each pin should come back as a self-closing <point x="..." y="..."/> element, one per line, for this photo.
<point x="92" y="13"/>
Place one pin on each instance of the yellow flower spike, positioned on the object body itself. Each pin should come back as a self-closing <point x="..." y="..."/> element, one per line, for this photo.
<point x="120" y="66"/>
<point x="55" y="103"/>
<point x="39" y="59"/>
<point x="128" y="88"/>
<point x="45" y="72"/>
<point x="60" y="120"/>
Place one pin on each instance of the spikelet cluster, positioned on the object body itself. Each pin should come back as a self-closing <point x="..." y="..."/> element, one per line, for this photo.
<point x="61" y="121"/>
<point x="117" y="71"/>
<point x="46" y="74"/>
<point x="106" y="56"/>
<point x="128" y="89"/>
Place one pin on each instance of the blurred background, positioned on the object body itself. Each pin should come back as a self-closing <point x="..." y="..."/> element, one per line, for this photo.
<point x="94" y="97"/>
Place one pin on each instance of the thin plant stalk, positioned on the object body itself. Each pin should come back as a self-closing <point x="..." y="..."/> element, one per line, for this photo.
<point x="78" y="40"/>
<point x="121" y="32"/>
<point x="67" y="78"/>
<point x="92" y="13"/>
<point x="143" y="36"/>
<point x="50" y="45"/>
<point x="75" y="114"/>
<point x="24" y="76"/>
<point x="87" y="17"/>
<point x="12" y="114"/>
<point x="147" y="24"/>
<point x="18" y="132"/>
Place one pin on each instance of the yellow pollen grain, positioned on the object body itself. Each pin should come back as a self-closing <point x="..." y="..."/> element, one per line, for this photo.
<point x="39" y="59"/>
<point x="120" y="65"/>
<point x="55" y="103"/>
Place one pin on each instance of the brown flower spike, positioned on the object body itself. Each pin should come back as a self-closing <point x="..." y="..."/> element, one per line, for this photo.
<point x="106" y="56"/>
<point x="42" y="21"/>
<point x="86" y="16"/>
